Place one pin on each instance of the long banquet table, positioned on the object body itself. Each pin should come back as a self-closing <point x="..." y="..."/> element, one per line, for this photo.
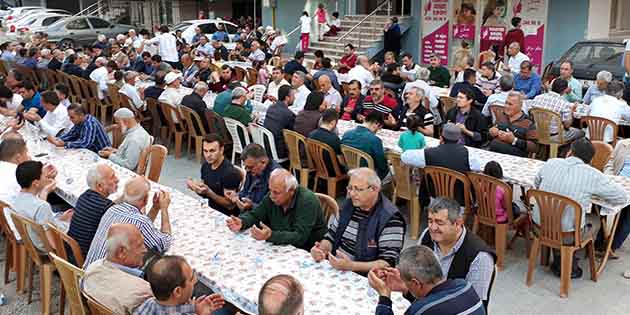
<point x="233" y="264"/>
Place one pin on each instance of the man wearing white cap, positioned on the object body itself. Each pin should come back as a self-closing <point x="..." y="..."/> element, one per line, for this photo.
<point x="172" y="95"/>
<point x="135" y="140"/>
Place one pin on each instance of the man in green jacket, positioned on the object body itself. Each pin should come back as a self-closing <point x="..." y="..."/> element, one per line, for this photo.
<point x="289" y="215"/>
<point x="236" y="110"/>
<point x="440" y="76"/>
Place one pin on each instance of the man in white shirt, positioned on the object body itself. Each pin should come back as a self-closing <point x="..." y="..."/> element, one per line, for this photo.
<point x="173" y="95"/>
<point x="516" y="57"/>
<point x="301" y="91"/>
<point x="361" y="72"/>
<point x="167" y="44"/>
<point x="331" y="95"/>
<point x="100" y="76"/>
<point x="277" y="80"/>
<point x="56" y="119"/>
<point x="610" y="106"/>
<point x="256" y="54"/>
<point x="130" y="90"/>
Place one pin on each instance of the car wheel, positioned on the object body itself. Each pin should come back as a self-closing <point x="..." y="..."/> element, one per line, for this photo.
<point x="66" y="44"/>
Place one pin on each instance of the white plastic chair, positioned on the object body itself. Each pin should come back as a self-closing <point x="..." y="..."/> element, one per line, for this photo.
<point x="259" y="135"/>
<point x="260" y="108"/>
<point x="233" y="127"/>
<point x="259" y="92"/>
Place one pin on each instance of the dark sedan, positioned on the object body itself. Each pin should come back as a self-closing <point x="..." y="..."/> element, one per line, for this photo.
<point x="82" y="30"/>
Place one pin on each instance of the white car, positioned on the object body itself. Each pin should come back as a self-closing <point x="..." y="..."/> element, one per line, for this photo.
<point x="208" y="27"/>
<point x="11" y="25"/>
<point x="36" y="22"/>
<point x="17" y="12"/>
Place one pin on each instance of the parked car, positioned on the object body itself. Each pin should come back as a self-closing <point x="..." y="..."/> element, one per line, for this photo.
<point x="17" y="12"/>
<point x="208" y="27"/>
<point x="11" y="25"/>
<point x="82" y="30"/>
<point x="35" y="21"/>
<point x="590" y="57"/>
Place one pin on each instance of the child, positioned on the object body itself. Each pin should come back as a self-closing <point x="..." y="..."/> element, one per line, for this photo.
<point x="320" y="14"/>
<point x="494" y="169"/>
<point x="305" y="20"/>
<point x="335" y="25"/>
<point x="412" y="139"/>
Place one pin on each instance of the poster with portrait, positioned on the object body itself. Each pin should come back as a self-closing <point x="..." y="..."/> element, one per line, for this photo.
<point x="534" y="15"/>
<point x="494" y="25"/>
<point x="435" y="30"/>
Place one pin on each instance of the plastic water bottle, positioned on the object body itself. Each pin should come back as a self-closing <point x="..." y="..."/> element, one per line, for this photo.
<point x="3" y="299"/>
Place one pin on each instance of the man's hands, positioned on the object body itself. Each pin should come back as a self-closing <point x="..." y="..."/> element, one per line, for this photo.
<point x="385" y="280"/>
<point x="199" y="188"/>
<point x="206" y="305"/>
<point x="67" y="215"/>
<point x="261" y="234"/>
<point x="106" y="152"/>
<point x="317" y="252"/>
<point x="376" y="279"/>
<point x="340" y="262"/>
<point x="234" y="223"/>
<point x="55" y="141"/>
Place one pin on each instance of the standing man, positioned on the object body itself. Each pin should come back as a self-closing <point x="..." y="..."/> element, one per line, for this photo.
<point x="392" y="36"/>
<point x="167" y="44"/>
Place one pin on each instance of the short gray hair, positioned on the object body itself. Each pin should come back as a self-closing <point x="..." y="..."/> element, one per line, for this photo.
<point x="419" y="262"/>
<point x="300" y="75"/>
<point x="137" y="195"/>
<point x="615" y="89"/>
<point x="423" y="74"/>
<point x="417" y="90"/>
<point x="439" y="203"/>
<point x="605" y="76"/>
<point x="201" y="86"/>
<point x="290" y="182"/>
<point x="94" y="175"/>
<point x="368" y="174"/>
<point x="518" y="95"/>
<point x="130" y="75"/>
<point x="101" y="61"/>
<point x="115" y="242"/>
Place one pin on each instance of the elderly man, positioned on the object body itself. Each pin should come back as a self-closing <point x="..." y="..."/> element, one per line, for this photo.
<point x="462" y="254"/>
<point x="514" y="132"/>
<point x="288" y="215"/>
<point x="132" y="210"/>
<point x="256" y="186"/>
<point x="362" y="72"/>
<point x="280" y="117"/>
<point x="56" y="120"/>
<point x="172" y="281"/>
<point x="599" y="88"/>
<point x="440" y="76"/>
<point x="44" y="59"/>
<point x="419" y="276"/>
<point x="281" y="294"/>
<point x="277" y="80"/>
<point x="190" y="70"/>
<point x="364" y="138"/>
<point x="87" y="132"/>
<point x="173" y="93"/>
<point x="506" y="84"/>
<point x="331" y="95"/>
<point x="380" y="102"/>
<point x="574" y="178"/>
<point x="119" y="271"/>
<point x="369" y="231"/>
<point x="414" y="106"/>
<point x="236" y="110"/>
<point x="527" y="81"/>
<point x="135" y="140"/>
<point x="195" y="101"/>
<point x="611" y="106"/>
<point x="92" y="204"/>
<point x="257" y="54"/>
<point x="515" y="59"/>
<point x="575" y="87"/>
<point x="130" y="90"/>
<point x="101" y="76"/>
<point x="302" y="92"/>
<point x="57" y="60"/>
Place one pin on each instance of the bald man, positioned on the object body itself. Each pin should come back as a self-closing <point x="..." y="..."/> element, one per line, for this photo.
<point x="331" y="95"/>
<point x="281" y="294"/>
<point x="289" y="215"/>
<point x="132" y="210"/>
<point x="116" y="280"/>
<point x="362" y="73"/>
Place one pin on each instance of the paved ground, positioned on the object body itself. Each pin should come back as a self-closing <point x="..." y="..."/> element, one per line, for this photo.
<point x="609" y="295"/>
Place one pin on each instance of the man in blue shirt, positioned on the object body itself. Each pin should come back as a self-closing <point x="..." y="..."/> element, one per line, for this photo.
<point x="527" y="81"/>
<point x="364" y="138"/>
<point x="220" y="35"/>
<point x="327" y="70"/>
<point x="295" y="64"/>
<point x="31" y="98"/>
<point x="87" y="133"/>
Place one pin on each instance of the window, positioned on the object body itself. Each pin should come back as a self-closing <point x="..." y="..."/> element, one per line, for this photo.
<point x="181" y="26"/>
<point x="619" y="16"/>
<point x="231" y="29"/>
<point x="208" y="28"/>
<point x="50" y="20"/>
<point x="99" y="23"/>
<point x="78" y="24"/>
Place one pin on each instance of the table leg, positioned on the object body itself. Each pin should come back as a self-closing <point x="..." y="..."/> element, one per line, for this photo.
<point x="609" y="242"/>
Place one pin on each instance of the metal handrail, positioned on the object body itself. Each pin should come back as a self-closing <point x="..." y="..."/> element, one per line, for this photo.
<point x="378" y="8"/>
<point x="294" y="30"/>
<point x="90" y="7"/>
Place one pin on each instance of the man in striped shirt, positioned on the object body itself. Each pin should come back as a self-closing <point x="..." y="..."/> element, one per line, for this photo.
<point x="380" y="102"/>
<point x="87" y="133"/>
<point x="131" y="211"/>
<point x="369" y="231"/>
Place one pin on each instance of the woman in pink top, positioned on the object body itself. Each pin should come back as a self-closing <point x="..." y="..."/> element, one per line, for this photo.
<point x="320" y="15"/>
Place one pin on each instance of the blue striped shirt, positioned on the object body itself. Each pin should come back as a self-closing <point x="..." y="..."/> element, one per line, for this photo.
<point x="152" y="307"/>
<point x="126" y="214"/>
<point x="88" y="211"/>
<point x="89" y="134"/>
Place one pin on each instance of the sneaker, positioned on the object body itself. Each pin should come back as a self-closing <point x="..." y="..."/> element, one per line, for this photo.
<point x="626" y="274"/>
<point x="575" y="274"/>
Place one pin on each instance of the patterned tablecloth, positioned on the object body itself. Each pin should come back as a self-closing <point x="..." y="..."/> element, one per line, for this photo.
<point x="233" y="264"/>
<point x="516" y="170"/>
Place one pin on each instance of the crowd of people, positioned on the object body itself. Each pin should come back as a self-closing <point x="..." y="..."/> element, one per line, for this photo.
<point x="451" y="270"/>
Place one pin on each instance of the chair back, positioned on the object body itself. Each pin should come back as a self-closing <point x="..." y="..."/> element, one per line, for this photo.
<point x="603" y="151"/>
<point x="252" y="76"/>
<point x="234" y="126"/>
<point x="497" y="112"/>
<point x="243" y="173"/>
<point x="259" y="91"/>
<point x="552" y="207"/>
<point x="216" y="124"/>
<point x="240" y="73"/>
<point x="485" y="188"/>
<point x="71" y="277"/>
<point x="153" y="157"/>
<point x="448" y="103"/>
<point x="51" y="78"/>
<point x="317" y="151"/>
<point x="96" y="308"/>
<point x="265" y="138"/>
<point x="75" y="88"/>
<point x="5" y="227"/>
<point x="354" y="157"/>
<point x="29" y="74"/>
<point x="275" y="61"/>
<point x="544" y="120"/>
<point x="444" y="183"/>
<point x="193" y="122"/>
<point x="114" y="95"/>
<point x="597" y="127"/>
<point x="404" y="186"/>
<point x="329" y="206"/>
<point x="170" y="114"/>
<point x="23" y="225"/>
<point x="92" y="88"/>
<point x="295" y="143"/>
<point x="60" y="240"/>
<point x="153" y="107"/>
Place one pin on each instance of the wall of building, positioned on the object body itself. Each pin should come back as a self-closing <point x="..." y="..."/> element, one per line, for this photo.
<point x="598" y="19"/>
<point x="411" y="39"/>
<point x="288" y="14"/>
<point x="567" y="22"/>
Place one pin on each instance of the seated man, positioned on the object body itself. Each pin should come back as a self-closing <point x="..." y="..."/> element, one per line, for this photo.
<point x="346" y="245"/>
<point x="462" y="254"/>
<point x="277" y="80"/>
<point x="281" y="294"/>
<point x="218" y="175"/>
<point x="440" y="76"/>
<point x="30" y="99"/>
<point x="92" y="205"/>
<point x="256" y="186"/>
<point x="130" y="90"/>
<point x="288" y="215"/>
<point x="56" y="120"/>
<point x="574" y="178"/>
<point x="31" y="203"/>
<point x="280" y="117"/>
<point x="135" y="140"/>
<point x="391" y="77"/>
<point x="468" y="118"/>
<point x="487" y="78"/>
<point x="380" y="102"/>
<point x="470" y="81"/>
<point x="195" y="102"/>
<point x="119" y="271"/>
<point x="352" y="102"/>
<point x="514" y="132"/>
<point x="331" y="95"/>
<point x="154" y="91"/>
<point x="506" y="85"/>
<point x="173" y="94"/>
<point x="131" y="210"/>
<point x="364" y="138"/>
<point x="599" y="88"/>
<point x="157" y="65"/>
<point x="87" y="133"/>
<point x="236" y="110"/>
<point x="420" y="277"/>
<point x="326" y="134"/>
<point x="172" y="282"/>
<point x="527" y="81"/>
<point x="611" y="106"/>
<point x="220" y="82"/>
<point x="327" y="71"/>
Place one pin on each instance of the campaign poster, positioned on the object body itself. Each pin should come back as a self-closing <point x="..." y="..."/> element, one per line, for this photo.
<point x="435" y="30"/>
<point x="534" y="15"/>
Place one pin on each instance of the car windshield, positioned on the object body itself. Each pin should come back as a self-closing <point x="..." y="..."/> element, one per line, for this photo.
<point x="595" y="54"/>
<point x="181" y="26"/>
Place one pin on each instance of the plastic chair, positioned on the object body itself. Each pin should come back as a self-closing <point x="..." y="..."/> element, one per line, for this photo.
<point x="552" y="208"/>
<point x="448" y="103"/>
<point x="117" y="136"/>
<point x="444" y="183"/>
<point x="158" y="128"/>
<point x="101" y="107"/>
<point x="329" y="205"/>
<point x="603" y="151"/>
<point x="265" y="138"/>
<point x="233" y="127"/>
<point x="543" y="118"/>
<point x="317" y="151"/>
<point x="259" y="92"/>
<point x="298" y="163"/>
<point x="153" y="156"/>
<point x="195" y="129"/>
<point x="354" y="157"/>
<point x="15" y="251"/>
<point x="252" y="76"/>
<point x="60" y="240"/>
<point x="113" y="92"/>
<point x="70" y="277"/>
<point x="175" y="130"/>
<point x="597" y="128"/>
<point x="405" y="188"/>
<point x="96" y="308"/>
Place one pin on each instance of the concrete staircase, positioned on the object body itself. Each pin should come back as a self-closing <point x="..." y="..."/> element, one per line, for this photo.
<point x="367" y="38"/>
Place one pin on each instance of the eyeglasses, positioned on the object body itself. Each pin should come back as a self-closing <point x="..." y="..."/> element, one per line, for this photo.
<point x="357" y="189"/>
